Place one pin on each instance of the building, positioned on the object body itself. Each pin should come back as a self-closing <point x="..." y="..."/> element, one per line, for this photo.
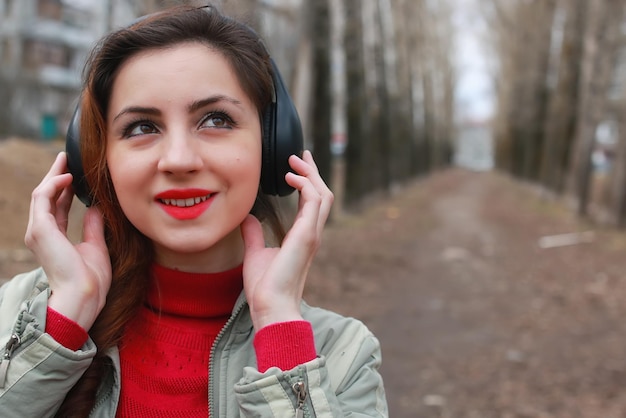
<point x="43" y="47"/>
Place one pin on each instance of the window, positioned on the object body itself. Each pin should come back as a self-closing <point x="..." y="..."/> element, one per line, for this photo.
<point x="38" y="53"/>
<point x="50" y="9"/>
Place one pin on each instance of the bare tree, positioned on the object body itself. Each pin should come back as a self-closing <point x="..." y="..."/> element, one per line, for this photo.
<point x="561" y="120"/>
<point x="356" y="170"/>
<point x="407" y="130"/>
<point x="523" y="32"/>
<point x="617" y="191"/>
<point x="599" y="55"/>
<point x="319" y="32"/>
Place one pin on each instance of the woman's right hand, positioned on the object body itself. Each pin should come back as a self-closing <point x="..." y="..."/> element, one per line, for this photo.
<point x="79" y="275"/>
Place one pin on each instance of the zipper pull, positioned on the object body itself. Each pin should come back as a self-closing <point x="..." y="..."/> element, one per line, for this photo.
<point x="299" y="389"/>
<point x="14" y="341"/>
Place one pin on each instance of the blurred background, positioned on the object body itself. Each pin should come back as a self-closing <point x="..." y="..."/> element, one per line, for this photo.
<point x="380" y="73"/>
<point x="394" y="88"/>
<point x="477" y="152"/>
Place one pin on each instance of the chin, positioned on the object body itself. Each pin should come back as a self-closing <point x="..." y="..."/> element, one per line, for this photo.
<point x="188" y="247"/>
<point x="202" y="243"/>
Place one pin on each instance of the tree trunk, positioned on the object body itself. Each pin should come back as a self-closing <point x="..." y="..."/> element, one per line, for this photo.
<point x="618" y="175"/>
<point x="599" y="53"/>
<point x="532" y="136"/>
<point x="321" y="99"/>
<point x="355" y="89"/>
<point x="561" y="120"/>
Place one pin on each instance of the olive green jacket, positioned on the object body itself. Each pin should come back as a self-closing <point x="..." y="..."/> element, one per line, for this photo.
<point x="36" y="372"/>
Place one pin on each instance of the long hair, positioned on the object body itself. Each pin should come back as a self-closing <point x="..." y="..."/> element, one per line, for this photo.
<point x="130" y="251"/>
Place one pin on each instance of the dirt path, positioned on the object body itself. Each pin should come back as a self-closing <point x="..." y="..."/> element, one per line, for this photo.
<point x="474" y="318"/>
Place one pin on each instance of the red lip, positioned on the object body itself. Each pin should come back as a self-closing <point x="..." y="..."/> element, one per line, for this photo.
<point x="183" y="193"/>
<point x="184" y="213"/>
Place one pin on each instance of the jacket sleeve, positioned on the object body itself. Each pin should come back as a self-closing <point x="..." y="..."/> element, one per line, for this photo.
<point x="36" y="372"/>
<point x="343" y="381"/>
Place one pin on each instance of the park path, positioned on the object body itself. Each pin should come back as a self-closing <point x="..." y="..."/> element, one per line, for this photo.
<point x="475" y="318"/>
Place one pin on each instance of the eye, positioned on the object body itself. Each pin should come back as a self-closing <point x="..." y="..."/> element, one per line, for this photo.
<point x="218" y="120"/>
<point x="141" y="127"/>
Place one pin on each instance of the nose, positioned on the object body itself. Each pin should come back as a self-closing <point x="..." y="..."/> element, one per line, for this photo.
<point x="180" y="154"/>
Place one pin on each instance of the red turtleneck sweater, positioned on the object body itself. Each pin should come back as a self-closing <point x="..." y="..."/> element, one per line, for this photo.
<point x="165" y="350"/>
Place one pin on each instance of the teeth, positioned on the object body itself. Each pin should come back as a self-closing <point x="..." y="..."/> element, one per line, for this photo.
<point x="185" y="202"/>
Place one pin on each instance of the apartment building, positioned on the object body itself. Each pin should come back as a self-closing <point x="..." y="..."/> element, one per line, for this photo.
<point x="43" y="47"/>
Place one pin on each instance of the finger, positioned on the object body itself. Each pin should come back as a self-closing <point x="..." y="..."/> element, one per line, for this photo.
<point x="306" y="188"/>
<point x="63" y="206"/>
<point x="306" y="166"/>
<point x="325" y="196"/>
<point x="59" y="166"/>
<point x="55" y="169"/>
<point x="324" y="212"/>
<point x="307" y="156"/>
<point x="43" y="205"/>
<point x="46" y="195"/>
<point x="252" y="233"/>
<point x="307" y="218"/>
<point x="44" y="236"/>
<point x="302" y="167"/>
<point x="93" y="227"/>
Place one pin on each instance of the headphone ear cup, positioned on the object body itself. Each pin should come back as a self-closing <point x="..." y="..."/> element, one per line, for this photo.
<point x="268" y="175"/>
<point x="284" y="138"/>
<point x="74" y="159"/>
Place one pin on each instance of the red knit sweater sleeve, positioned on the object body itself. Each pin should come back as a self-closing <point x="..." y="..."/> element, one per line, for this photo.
<point x="65" y="331"/>
<point x="284" y="345"/>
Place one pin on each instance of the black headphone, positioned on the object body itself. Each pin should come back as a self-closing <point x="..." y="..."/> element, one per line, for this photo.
<point x="281" y="136"/>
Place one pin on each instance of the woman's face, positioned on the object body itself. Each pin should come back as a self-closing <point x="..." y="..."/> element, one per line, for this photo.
<point x="184" y="154"/>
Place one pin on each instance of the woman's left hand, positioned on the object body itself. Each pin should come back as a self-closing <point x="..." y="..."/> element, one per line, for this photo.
<point x="274" y="278"/>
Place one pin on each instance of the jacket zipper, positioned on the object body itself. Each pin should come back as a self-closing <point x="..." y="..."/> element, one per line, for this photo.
<point x="14" y="341"/>
<point x="228" y="324"/>
<point x="299" y="388"/>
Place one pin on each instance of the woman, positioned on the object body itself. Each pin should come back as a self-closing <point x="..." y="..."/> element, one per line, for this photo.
<point x="172" y="305"/>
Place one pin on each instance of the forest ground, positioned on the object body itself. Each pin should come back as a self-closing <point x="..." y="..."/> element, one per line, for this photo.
<point x="475" y="317"/>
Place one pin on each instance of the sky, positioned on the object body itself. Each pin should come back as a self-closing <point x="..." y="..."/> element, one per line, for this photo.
<point x="474" y="95"/>
<point x="81" y="4"/>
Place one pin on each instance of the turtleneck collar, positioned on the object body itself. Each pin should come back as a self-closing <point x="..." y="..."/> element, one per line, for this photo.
<point x="195" y="295"/>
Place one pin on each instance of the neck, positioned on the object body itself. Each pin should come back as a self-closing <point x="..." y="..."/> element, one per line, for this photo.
<point x="223" y="255"/>
<point x="194" y="295"/>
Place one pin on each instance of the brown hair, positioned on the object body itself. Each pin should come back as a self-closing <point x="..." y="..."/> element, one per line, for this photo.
<point x="130" y="251"/>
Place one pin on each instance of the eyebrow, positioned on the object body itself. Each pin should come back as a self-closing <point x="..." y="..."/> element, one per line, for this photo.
<point x="196" y="105"/>
<point x="138" y="109"/>
<point x="199" y="104"/>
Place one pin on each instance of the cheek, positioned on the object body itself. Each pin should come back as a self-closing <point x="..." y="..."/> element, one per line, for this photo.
<point x="246" y="173"/>
<point x="245" y="177"/>
<point x="123" y="189"/>
<point x="115" y="171"/>
<point x="246" y="164"/>
<point x="126" y="176"/>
